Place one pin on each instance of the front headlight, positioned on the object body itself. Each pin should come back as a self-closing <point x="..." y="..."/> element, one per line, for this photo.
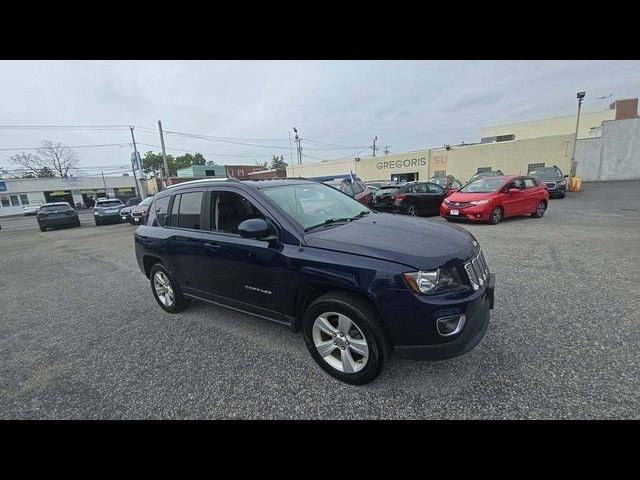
<point x="434" y="281"/>
<point x="480" y="202"/>
<point x="562" y="182"/>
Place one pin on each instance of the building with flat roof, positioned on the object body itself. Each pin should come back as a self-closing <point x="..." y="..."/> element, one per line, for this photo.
<point x="590" y="124"/>
<point x="200" y="171"/>
<point x="15" y="193"/>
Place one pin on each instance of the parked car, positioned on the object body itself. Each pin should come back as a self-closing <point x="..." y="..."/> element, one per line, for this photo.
<point x="450" y="183"/>
<point x="553" y="178"/>
<point x="136" y="215"/>
<point x="373" y="190"/>
<point x="494" y="198"/>
<point x="31" y="209"/>
<point x="479" y="175"/>
<point x="356" y="189"/>
<point x="412" y="198"/>
<point x="302" y="254"/>
<point x="57" y="214"/>
<point x="107" y="210"/>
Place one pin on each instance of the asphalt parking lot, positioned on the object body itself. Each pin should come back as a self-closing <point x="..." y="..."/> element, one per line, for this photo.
<point x="82" y="337"/>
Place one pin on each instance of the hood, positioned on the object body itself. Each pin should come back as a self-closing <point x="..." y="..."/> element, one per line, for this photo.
<point x="470" y="197"/>
<point x="126" y="209"/>
<point x="138" y="209"/>
<point x="415" y="242"/>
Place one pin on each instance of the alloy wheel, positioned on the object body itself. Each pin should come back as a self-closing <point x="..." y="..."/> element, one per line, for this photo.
<point x="412" y="210"/>
<point x="164" y="291"/>
<point x="540" y="210"/>
<point x="340" y="342"/>
<point x="497" y="215"/>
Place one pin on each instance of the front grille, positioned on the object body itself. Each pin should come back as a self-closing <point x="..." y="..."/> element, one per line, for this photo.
<point x="550" y="184"/>
<point x="459" y="204"/>
<point x="136" y="214"/>
<point x="477" y="270"/>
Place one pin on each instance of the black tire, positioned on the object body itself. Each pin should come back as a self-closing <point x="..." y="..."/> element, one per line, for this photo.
<point x="179" y="301"/>
<point x="77" y="224"/>
<point x="496" y="215"/>
<point x="98" y="222"/>
<point x="540" y="209"/>
<point x="562" y="195"/>
<point x="366" y="319"/>
<point x="412" y="210"/>
<point x="43" y="229"/>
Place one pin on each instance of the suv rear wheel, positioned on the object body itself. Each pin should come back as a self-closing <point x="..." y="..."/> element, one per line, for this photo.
<point x="165" y="290"/>
<point x="344" y="337"/>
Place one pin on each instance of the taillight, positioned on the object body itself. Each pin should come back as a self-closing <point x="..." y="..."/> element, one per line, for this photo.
<point x="398" y="197"/>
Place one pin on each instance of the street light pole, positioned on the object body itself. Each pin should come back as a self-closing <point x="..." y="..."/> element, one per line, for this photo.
<point x="580" y="96"/>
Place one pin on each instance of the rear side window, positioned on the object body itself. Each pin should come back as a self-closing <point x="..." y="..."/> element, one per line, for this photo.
<point x="159" y="211"/>
<point x="529" y="182"/>
<point x="189" y="210"/>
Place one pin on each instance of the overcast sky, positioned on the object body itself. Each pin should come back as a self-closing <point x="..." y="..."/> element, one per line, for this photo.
<point x="409" y="105"/>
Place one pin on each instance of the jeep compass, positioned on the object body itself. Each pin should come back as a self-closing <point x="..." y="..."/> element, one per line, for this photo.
<point x="358" y="283"/>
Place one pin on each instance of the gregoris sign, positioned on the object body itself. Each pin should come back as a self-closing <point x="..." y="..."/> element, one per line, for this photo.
<point x="406" y="163"/>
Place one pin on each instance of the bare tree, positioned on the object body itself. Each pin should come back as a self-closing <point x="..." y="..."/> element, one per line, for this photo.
<point x="58" y="157"/>
<point x="51" y="157"/>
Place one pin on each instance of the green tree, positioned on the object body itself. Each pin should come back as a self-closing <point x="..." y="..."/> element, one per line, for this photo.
<point x="261" y="164"/>
<point x="187" y="160"/>
<point x="153" y="164"/>
<point x="278" y="162"/>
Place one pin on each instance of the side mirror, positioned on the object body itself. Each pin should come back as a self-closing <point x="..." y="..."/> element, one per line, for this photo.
<point x="566" y="176"/>
<point x="254" y="228"/>
<point x="511" y="191"/>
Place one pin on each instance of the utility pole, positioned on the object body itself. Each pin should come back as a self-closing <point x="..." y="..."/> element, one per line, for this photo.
<point x="374" y="146"/>
<point x="104" y="182"/>
<point x="580" y="96"/>
<point x="386" y="149"/>
<point x="164" y="155"/>
<point x="298" y="146"/>
<point x="133" y="168"/>
<point x="291" y="154"/>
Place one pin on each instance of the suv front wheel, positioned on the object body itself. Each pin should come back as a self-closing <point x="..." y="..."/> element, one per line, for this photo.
<point x="344" y="337"/>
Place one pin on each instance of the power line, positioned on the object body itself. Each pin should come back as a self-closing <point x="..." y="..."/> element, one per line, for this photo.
<point x="207" y="153"/>
<point x="72" y="146"/>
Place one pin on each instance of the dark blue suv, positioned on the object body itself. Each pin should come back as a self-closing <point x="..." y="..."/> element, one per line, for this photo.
<point x="360" y="284"/>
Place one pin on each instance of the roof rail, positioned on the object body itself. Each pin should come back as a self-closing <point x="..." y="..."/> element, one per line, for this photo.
<point x="202" y="180"/>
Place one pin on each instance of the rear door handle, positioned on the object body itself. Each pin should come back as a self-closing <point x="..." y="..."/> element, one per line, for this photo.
<point x="212" y="246"/>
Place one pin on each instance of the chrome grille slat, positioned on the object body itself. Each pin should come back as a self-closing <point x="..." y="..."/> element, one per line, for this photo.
<point x="477" y="270"/>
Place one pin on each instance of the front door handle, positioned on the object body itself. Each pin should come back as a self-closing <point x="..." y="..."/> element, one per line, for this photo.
<point x="212" y="246"/>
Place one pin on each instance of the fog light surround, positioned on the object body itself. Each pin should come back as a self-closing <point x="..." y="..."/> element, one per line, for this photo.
<point x="450" y="325"/>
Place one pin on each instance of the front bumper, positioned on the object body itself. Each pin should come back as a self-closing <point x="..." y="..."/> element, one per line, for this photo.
<point x="472" y="333"/>
<point x="479" y="213"/>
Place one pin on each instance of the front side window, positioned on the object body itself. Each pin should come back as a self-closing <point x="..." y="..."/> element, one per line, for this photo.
<point x="229" y="210"/>
<point x="519" y="184"/>
<point x="358" y="187"/>
<point x="529" y="183"/>
<point x="433" y="188"/>
<point x="312" y="204"/>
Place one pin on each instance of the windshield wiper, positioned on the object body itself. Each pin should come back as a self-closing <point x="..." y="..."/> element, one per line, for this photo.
<point x="362" y="214"/>
<point x="329" y="221"/>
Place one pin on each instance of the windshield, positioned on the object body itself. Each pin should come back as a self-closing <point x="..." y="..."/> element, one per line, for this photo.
<point x="385" y="191"/>
<point x="109" y="203"/>
<point x="315" y="204"/>
<point x="548" y="174"/>
<point x="442" y="181"/>
<point x="484" y="185"/>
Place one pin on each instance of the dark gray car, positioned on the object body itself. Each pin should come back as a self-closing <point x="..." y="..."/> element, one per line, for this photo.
<point x="57" y="214"/>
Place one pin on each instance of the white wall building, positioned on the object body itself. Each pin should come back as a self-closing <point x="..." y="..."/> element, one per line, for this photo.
<point x="15" y="193"/>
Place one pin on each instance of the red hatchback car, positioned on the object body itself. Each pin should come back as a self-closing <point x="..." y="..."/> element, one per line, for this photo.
<point x="491" y="199"/>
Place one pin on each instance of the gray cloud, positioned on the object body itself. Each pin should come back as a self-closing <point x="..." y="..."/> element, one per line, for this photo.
<point x="408" y="104"/>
